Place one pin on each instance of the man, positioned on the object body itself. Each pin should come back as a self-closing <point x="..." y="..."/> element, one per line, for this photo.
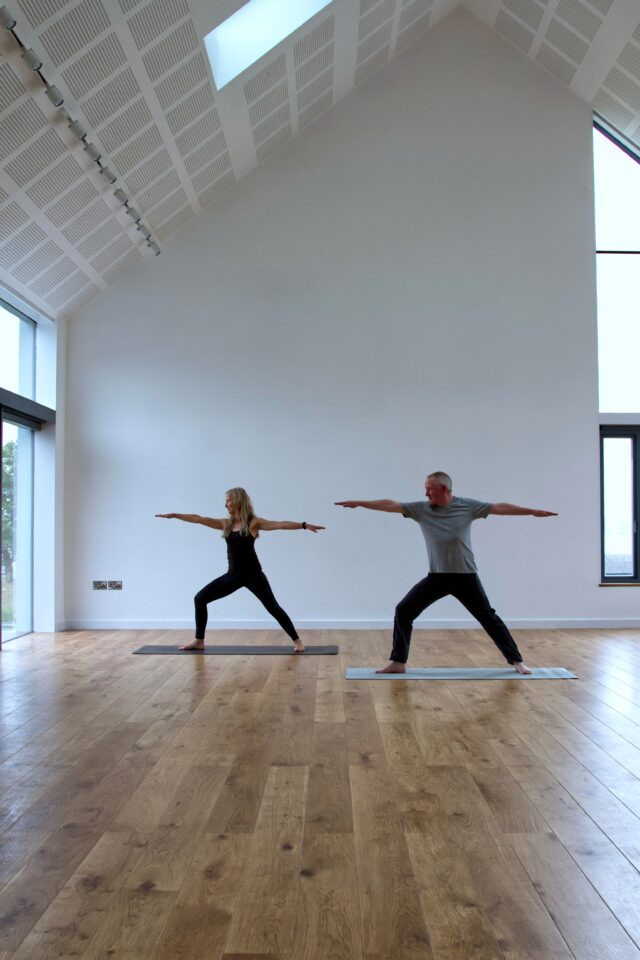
<point x="446" y="526"/>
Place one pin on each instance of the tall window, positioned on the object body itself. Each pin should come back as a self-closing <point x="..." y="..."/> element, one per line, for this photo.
<point x="17" y="529"/>
<point x="17" y="352"/>
<point x="619" y="453"/>
<point x="19" y="418"/>
<point x="617" y="198"/>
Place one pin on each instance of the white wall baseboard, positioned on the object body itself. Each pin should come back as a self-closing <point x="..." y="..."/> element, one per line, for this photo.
<point x="221" y="625"/>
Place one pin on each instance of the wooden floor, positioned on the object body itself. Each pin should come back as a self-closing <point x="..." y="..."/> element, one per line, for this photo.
<point x="235" y="808"/>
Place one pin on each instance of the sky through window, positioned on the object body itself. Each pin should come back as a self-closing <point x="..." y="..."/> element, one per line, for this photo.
<point x="252" y="31"/>
<point x="617" y="205"/>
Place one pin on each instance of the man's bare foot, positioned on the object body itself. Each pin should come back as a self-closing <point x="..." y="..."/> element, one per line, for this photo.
<point x="298" y="646"/>
<point x="522" y="668"/>
<point x="393" y="667"/>
<point x="196" y="645"/>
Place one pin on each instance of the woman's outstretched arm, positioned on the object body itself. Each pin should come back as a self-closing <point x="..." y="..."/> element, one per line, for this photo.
<point x="193" y="518"/>
<point x="259" y="523"/>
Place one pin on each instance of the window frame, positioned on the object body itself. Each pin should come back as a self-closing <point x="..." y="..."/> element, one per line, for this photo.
<point x="633" y="433"/>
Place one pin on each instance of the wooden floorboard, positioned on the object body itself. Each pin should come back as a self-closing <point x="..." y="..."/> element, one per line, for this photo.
<point x="234" y="808"/>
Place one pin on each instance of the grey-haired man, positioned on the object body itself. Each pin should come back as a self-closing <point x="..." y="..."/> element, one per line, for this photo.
<point x="446" y="521"/>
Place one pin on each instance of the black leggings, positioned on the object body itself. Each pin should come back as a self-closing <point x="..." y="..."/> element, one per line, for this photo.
<point x="466" y="588"/>
<point x="228" y="583"/>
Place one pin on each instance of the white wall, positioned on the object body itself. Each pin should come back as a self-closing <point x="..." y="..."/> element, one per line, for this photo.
<point x="408" y="286"/>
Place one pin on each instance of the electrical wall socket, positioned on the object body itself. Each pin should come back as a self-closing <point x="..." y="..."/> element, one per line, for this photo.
<point x="99" y="584"/>
<point x="115" y="584"/>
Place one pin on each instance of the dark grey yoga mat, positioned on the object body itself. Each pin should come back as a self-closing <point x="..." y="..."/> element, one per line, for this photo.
<point x="235" y="650"/>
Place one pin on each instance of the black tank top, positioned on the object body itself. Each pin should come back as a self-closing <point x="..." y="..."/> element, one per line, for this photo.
<point x="241" y="553"/>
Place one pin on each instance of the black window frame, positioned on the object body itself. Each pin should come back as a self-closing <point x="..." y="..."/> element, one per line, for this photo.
<point x="633" y="433"/>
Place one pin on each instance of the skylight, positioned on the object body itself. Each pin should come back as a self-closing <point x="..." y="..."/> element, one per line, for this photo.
<point x="252" y="31"/>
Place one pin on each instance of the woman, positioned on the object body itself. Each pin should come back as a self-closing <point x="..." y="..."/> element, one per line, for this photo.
<point x="240" y="529"/>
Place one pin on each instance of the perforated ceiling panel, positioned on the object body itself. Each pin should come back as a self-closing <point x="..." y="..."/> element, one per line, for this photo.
<point x="593" y="46"/>
<point x="134" y="73"/>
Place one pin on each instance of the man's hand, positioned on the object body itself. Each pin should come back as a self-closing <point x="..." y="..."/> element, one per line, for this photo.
<point x="543" y="513"/>
<point x="347" y="503"/>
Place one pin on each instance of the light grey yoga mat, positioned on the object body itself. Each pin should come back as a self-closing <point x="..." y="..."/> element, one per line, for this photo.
<point x="461" y="673"/>
<point x="263" y="651"/>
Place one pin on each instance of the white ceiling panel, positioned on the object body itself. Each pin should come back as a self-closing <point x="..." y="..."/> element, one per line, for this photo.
<point x="134" y="74"/>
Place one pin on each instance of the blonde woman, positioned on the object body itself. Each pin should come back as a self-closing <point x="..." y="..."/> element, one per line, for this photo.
<point x="240" y="529"/>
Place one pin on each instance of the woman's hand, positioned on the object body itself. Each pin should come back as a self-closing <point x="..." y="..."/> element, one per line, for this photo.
<point x="314" y="528"/>
<point x="167" y="516"/>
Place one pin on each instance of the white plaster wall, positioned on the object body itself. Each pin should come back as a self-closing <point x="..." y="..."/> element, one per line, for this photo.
<point x="408" y="286"/>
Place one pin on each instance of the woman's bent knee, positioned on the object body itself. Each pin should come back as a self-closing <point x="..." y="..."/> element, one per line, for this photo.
<point x="403" y="613"/>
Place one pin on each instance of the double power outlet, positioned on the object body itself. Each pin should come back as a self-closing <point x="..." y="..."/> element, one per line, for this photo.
<point x="107" y="584"/>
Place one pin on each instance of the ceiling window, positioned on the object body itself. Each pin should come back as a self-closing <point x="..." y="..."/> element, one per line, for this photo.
<point x="254" y="30"/>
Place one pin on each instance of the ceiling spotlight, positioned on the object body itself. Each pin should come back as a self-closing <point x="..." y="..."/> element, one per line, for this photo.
<point x="121" y="196"/>
<point x="54" y="96"/>
<point x="92" y="151"/>
<point x="155" y="249"/>
<point x="143" y="230"/>
<point x="31" y="59"/>
<point x="108" y="175"/>
<point x="6" y="20"/>
<point x="133" y="213"/>
<point x="76" y="127"/>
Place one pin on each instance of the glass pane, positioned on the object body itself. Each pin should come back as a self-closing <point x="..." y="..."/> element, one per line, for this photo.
<point x="617" y="195"/>
<point x="17" y="363"/>
<point x="618" y="334"/>
<point x="17" y="530"/>
<point x="617" y="453"/>
<point x="252" y="31"/>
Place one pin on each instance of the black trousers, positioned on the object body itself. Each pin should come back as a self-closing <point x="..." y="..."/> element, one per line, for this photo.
<point x="228" y="583"/>
<point x="466" y="588"/>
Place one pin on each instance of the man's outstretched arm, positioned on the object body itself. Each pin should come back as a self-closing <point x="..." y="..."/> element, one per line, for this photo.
<point x="511" y="510"/>
<point x="387" y="506"/>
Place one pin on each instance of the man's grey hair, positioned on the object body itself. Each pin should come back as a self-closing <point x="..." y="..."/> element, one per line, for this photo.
<point x="442" y="478"/>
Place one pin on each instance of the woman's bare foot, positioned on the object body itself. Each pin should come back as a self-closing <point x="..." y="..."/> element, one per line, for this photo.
<point x="393" y="667"/>
<point x="298" y="646"/>
<point x="196" y="645"/>
<point x="522" y="668"/>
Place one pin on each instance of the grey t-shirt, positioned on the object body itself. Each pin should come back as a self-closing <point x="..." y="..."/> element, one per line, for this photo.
<point x="447" y="532"/>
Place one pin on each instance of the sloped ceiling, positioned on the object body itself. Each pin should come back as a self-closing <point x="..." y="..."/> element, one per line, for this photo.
<point x="135" y="74"/>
